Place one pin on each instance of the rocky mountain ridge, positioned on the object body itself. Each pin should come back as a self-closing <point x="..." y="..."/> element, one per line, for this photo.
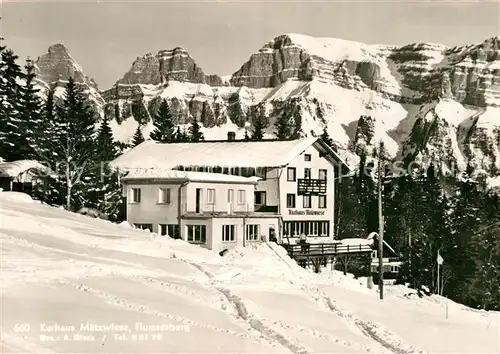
<point x="424" y="101"/>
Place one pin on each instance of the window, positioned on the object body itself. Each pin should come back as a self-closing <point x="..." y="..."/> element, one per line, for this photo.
<point x="321" y="201"/>
<point x="171" y="230"/>
<point x="230" y="195"/>
<point x="306" y="201"/>
<point x="324" y="228"/>
<point x="241" y="196"/>
<point x="235" y="171"/>
<point x="228" y="234"/>
<point x="310" y="228"/>
<point x="261" y="172"/>
<point x="322" y="175"/>
<point x="260" y="198"/>
<point x="144" y="227"/>
<point x="290" y="200"/>
<point x="196" y="233"/>
<point x="210" y="196"/>
<point x="374" y="254"/>
<point x="164" y="196"/>
<point x="394" y="269"/>
<point x="307" y="157"/>
<point x="135" y="195"/>
<point x="307" y="173"/>
<point x="290" y="173"/>
<point x="252" y="233"/>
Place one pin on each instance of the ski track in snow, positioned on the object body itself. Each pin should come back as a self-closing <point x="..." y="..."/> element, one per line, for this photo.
<point x="380" y="335"/>
<point x="117" y="301"/>
<point x="252" y="320"/>
<point x="264" y="326"/>
<point x="259" y="325"/>
<point x="377" y="333"/>
<point x="164" y="285"/>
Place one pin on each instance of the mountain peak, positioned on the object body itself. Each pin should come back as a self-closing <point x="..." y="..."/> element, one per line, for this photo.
<point x="58" y="65"/>
<point x="58" y="48"/>
<point x="167" y="65"/>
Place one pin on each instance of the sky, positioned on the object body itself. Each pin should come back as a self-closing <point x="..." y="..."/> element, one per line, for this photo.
<point x="105" y="37"/>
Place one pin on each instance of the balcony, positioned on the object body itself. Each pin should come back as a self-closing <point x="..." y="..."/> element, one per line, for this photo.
<point x="266" y="208"/>
<point x="311" y="186"/>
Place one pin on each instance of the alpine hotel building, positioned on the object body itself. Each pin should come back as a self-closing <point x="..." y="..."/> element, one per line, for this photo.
<point x="220" y="194"/>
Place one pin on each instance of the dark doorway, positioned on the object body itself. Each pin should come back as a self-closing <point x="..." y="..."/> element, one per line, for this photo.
<point x="198" y="199"/>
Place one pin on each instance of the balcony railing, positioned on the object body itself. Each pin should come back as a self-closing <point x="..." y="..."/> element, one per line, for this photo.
<point x="311" y="186"/>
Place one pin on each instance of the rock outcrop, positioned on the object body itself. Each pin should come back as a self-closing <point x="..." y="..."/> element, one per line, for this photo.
<point x="424" y="101"/>
<point x="54" y="68"/>
<point x="167" y="65"/>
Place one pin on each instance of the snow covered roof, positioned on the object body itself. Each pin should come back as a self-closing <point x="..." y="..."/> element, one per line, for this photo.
<point x="164" y="174"/>
<point x="356" y="241"/>
<point x="270" y="153"/>
<point x="15" y="168"/>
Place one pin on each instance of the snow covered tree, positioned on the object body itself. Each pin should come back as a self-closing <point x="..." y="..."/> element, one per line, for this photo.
<point x="10" y="129"/>
<point x="72" y="144"/>
<point x="164" y="131"/>
<point x="107" y="148"/>
<point x="31" y="124"/>
<point x="470" y="252"/>
<point x="195" y="133"/>
<point x="106" y="192"/>
<point x="51" y="192"/>
<point x="258" y="128"/>
<point x="180" y="136"/>
<point x="138" y="138"/>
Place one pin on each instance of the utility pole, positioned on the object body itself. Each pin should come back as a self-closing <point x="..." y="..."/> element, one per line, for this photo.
<point x="381" y="228"/>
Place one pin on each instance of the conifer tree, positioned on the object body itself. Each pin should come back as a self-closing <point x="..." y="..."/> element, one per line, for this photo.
<point x="72" y="144"/>
<point x="326" y="138"/>
<point x="10" y="131"/>
<point x="283" y="127"/>
<point x="106" y="191"/>
<point x="107" y="148"/>
<point x="138" y="137"/>
<point x="49" y="131"/>
<point x="31" y="123"/>
<point x="195" y="133"/>
<point x="258" y="128"/>
<point x="164" y="131"/>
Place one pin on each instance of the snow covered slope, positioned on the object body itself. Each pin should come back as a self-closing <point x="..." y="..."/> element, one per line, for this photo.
<point x="71" y="283"/>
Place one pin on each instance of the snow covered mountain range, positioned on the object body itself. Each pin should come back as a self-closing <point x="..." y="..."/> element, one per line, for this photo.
<point x="425" y="101"/>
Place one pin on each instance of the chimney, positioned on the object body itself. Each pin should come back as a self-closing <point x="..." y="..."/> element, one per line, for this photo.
<point x="231" y="136"/>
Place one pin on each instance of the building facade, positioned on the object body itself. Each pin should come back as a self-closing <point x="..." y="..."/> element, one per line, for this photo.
<point x="206" y="194"/>
<point x="23" y="175"/>
<point x="215" y="211"/>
